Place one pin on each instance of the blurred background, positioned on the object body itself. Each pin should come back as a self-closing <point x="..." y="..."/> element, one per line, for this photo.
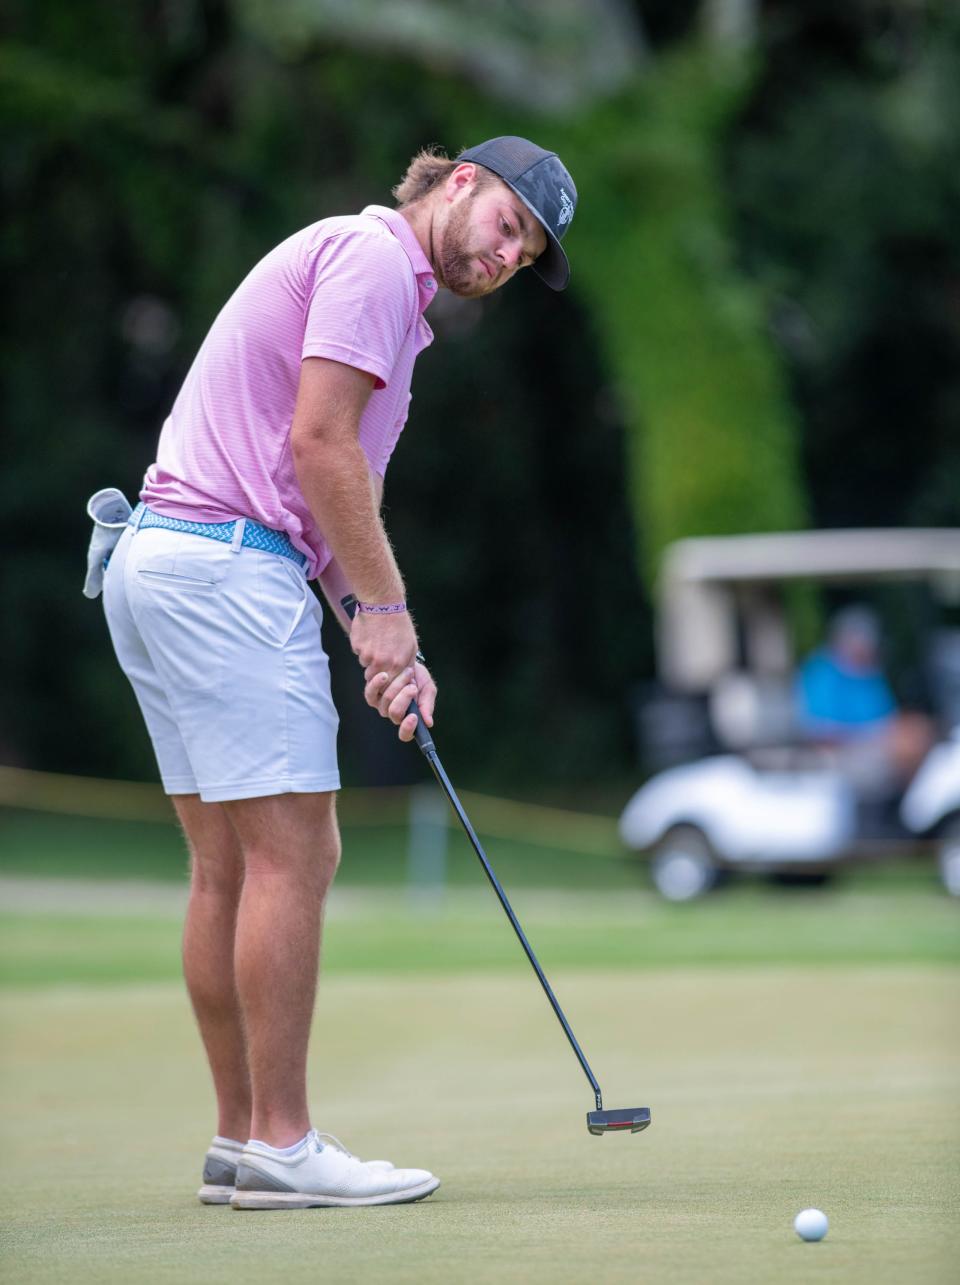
<point x="762" y="335"/>
<point x="631" y="518"/>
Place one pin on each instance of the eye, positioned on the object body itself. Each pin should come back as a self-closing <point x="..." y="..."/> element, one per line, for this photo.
<point x="505" y="228"/>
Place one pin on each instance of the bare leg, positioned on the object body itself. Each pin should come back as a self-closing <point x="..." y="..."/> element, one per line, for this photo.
<point x="208" y="955"/>
<point x="291" y="849"/>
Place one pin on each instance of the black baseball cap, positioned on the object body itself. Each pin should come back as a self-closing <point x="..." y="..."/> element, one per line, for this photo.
<point x="545" y="187"/>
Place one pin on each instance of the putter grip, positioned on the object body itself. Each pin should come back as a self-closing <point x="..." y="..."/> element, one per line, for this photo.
<point x="422" y="734"/>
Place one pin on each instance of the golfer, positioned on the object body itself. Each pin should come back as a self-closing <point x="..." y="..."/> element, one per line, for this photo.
<point x="269" y="473"/>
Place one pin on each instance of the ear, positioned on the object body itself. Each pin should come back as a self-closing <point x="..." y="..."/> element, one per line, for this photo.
<point x="461" y="179"/>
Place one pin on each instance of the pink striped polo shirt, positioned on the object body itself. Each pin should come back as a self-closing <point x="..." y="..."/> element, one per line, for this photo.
<point x="352" y="289"/>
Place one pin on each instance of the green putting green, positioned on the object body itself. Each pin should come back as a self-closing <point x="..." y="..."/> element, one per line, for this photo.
<point x="772" y="1089"/>
<point x="796" y="1048"/>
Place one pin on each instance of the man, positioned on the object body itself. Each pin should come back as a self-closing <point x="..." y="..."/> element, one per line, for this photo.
<point x="845" y="706"/>
<point x="270" y="472"/>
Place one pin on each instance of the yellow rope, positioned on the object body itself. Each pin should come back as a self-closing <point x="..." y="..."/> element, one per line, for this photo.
<point x="107" y="800"/>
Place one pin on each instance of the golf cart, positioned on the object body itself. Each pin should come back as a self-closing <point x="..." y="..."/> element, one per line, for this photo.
<point x="739" y="785"/>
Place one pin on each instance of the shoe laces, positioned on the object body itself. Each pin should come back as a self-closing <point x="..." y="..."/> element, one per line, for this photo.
<point x="324" y="1139"/>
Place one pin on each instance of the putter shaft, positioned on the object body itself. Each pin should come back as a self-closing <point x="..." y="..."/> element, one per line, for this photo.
<point x="430" y="754"/>
<point x="425" y="742"/>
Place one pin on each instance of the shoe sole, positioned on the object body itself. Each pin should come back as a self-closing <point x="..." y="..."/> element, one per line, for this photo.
<point x="211" y="1195"/>
<point x="307" y="1200"/>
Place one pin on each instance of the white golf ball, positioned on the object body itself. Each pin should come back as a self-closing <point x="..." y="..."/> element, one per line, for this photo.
<point x="811" y="1224"/>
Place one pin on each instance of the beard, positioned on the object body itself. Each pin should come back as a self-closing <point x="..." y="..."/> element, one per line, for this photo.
<point x="459" y="270"/>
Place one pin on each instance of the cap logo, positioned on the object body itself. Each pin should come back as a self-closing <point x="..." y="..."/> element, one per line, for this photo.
<point x="566" y="207"/>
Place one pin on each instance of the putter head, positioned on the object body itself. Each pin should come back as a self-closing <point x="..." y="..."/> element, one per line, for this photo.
<point x="632" y="1118"/>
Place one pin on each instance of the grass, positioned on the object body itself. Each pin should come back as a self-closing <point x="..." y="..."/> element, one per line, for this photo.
<point x="369" y="932"/>
<point x="80" y="847"/>
<point x="48" y="846"/>
<point x="796" y="1048"/>
<point x="51" y="846"/>
<point x="771" y="1089"/>
<point x="94" y="902"/>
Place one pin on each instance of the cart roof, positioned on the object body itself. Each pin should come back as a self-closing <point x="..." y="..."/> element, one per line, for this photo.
<point x="697" y="636"/>
<point x="845" y="554"/>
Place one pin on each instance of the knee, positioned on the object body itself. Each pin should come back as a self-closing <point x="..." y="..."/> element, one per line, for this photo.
<point x="216" y="871"/>
<point x="311" y="866"/>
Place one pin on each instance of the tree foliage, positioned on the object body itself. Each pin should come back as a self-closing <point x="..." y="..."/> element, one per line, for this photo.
<point x="844" y="171"/>
<point x="713" y="442"/>
<point x="146" y="174"/>
<point x="796" y="215"/>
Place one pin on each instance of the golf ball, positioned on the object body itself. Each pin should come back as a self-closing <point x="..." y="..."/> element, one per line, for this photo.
<point x="811" y="1224"/>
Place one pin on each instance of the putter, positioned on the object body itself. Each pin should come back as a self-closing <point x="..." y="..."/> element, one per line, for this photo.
<point x="599" y="1121"/>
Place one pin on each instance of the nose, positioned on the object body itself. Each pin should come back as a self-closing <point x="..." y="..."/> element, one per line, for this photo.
<point x="509" y="254"/>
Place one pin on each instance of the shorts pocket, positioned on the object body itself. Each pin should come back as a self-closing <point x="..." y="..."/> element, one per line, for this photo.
<point x="281" y="599"/>
<point x="175" y="581"/>
<point x="180" y="560"/>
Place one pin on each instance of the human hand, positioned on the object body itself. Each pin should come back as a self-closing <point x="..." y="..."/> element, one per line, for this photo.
<point x="383" y="643"/>
<point x="426" y="692"/>
<point x="385" y="646"/>
<point x="392" y="698"/>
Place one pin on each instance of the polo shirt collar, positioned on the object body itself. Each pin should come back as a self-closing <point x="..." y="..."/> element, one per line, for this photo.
<point x="401" y="229"/>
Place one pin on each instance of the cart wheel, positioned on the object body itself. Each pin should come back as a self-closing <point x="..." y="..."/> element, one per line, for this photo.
<point x="948" y="857"/>
<point x="683" y="866"/>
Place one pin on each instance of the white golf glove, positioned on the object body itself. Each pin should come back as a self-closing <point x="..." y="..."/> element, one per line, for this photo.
<point x="108" y="510"/>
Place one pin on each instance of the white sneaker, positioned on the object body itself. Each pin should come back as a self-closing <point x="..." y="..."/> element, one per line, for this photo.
<point x="322" y="1173"/>
<point x="220" y="1168"/>
<point x="220" y="1171"/>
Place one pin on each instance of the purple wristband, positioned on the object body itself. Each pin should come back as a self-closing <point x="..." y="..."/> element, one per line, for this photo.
<point x="376" y="609"/>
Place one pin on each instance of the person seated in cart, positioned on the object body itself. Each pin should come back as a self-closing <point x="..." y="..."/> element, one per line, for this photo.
<point x="846" y="706"/>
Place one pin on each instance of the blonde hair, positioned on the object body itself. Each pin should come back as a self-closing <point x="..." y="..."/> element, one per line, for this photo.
<point x="428" y="169"/>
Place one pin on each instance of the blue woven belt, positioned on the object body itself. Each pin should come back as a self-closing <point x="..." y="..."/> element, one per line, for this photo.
<point x="254" y="536"/>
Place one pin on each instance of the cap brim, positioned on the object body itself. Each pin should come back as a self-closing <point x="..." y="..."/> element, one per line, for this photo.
<point x="553" y="266"/>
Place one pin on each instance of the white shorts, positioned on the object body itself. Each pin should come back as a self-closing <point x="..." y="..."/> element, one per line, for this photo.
<point x="223" y="650"/>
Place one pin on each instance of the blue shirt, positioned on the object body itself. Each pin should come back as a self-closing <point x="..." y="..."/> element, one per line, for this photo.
<point x="835" y="701"/>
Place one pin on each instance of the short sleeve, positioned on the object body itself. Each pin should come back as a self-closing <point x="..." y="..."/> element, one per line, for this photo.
<point x="361" y="302"/>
